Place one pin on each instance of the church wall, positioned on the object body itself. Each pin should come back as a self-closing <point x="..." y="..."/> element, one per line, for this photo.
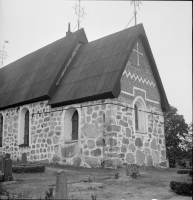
<point x="137" y="82"/>
<point x="106" y="135"/>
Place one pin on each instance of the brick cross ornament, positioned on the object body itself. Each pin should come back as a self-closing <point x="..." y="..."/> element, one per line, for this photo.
<point x="138" y="53"/>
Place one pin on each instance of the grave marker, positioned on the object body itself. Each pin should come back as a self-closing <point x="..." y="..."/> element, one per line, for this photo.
<point x="1" y="162"/>
<point x="188" y="164"/>
<point x="24" y="158"/>
<point x="61" y="185"/>
<point x="7" y="168"/>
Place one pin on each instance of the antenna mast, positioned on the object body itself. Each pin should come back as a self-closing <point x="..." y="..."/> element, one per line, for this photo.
<point x="3" y="54"/>
<point x="79" y="11"/>
<point x="136" y="4"/>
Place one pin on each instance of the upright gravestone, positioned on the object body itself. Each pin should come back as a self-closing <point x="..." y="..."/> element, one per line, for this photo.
<point x="7" y="168"/>
<point x="61" y="185"/>
<point x="188" y="164"/>
<point x="1" y="162"/>
<point x="24" y="158"/>
<point x="1" y="173"/>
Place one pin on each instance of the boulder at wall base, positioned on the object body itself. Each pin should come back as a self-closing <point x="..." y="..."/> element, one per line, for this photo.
<point x="55" y="158"/>
<point x="163" y="164"/>
<point x="90" y="131"/>
<point x="149" y="160"/>
<point x="140" y="157"/>
<point x="156" y="157"/>
<point x="130" y="158"/>
<point x="69" y="151"/>
<point x="112" y="163"/>
<point x="77" y="161"/>
<point x="92" y="162"/>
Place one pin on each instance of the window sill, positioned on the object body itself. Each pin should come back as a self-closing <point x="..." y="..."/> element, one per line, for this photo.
<point x="23" y="145"/>
<point x="140" y="132"/>
<point x="71" y="141"/>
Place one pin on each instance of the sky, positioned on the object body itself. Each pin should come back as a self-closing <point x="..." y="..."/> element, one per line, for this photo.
<point x="31" y="24"/>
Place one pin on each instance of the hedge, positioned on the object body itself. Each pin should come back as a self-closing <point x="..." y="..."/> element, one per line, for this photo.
<point x="28" y="169"/>
<point x="183" y="171"/>
<point x="182" y="188"/>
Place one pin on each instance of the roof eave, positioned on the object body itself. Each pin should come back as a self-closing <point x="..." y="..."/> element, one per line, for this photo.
<point x="107" y="95"/>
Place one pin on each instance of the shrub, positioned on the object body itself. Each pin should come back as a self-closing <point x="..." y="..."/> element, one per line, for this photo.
<point x="182" y="188"/>
<point x="28" y="169"/>
<point x="183" y="171"/>
<point x="190" y="173"/>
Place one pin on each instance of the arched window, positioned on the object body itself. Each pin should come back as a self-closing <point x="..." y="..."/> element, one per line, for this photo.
<point x="1" y="130"/>
<point x="75" y="126"/>
<point x="24" y="127"/>
<point x="140" y="117"/>
<point x="136" y="118"/>
<point x="71" y="121"/>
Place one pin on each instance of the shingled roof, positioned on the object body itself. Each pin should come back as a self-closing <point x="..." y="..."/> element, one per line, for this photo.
<point x="33" y="77"/>
<point x="93" y="74"/>
<point x="96" y="70"/>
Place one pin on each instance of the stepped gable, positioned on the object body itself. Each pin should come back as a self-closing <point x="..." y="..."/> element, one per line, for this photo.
<point x="33" y="78"/>
<point x="96" y="71"/>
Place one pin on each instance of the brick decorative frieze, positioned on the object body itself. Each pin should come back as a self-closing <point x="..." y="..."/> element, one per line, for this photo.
<point x="138" y="74"/>
<point x="139" y="78"/>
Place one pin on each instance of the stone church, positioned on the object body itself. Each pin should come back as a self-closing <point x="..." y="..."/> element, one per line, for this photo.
<point x="83" y="103"/>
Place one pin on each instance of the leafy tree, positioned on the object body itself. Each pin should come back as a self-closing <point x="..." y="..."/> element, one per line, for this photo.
<point x="187" y="144"/>
<point x="175" y="132"/>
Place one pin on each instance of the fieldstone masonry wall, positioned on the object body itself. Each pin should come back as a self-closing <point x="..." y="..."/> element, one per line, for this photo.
<point x="106" y="136"/>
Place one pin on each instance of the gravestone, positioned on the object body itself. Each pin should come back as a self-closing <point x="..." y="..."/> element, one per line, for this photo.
<point x="1" y="162"/>
<point x="7" y="168"/>
<point x="24" y="158"/>
<point x="61" y="191"/>
<point x="167" y="163"/>
<point x="1" y="173"/>
<point x="188" y="164"/>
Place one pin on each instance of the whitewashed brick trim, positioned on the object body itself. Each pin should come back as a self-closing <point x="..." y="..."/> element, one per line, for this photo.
<point x="136" y="88"/>
<point x="140" y="79"/>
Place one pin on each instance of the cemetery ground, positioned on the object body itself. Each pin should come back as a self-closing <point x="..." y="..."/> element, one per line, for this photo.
<point x="152" y="183"/>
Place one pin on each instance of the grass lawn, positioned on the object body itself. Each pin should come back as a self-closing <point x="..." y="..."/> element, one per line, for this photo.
<point x="151" y="184"/>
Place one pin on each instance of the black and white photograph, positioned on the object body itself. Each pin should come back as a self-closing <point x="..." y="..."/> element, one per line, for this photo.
<point x="96" y="99"/>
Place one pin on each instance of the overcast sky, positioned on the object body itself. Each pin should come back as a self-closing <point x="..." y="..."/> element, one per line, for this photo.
<point x="31" y="24"/>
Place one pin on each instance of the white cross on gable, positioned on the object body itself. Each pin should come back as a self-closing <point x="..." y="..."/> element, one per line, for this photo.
<point x="137" y="54"/>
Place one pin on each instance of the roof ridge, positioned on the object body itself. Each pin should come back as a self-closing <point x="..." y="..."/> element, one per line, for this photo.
<point x="118" y="32"/>
<point x="57" y="40"/>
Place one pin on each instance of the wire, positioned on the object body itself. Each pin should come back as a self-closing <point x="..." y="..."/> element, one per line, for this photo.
<point x="129" y="22"/>
<point x="127" y="107"/>
<point x="75" y="27"/>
